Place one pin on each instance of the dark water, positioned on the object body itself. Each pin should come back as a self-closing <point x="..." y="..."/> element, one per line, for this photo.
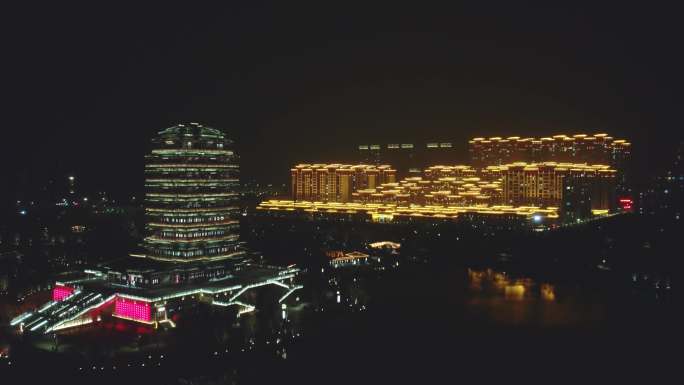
<point x="427" y="323"/>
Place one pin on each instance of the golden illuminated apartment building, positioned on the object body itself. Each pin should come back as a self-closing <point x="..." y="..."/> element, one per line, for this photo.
<point x="580" y="148"/>
<point x="336" y="182"/>
<point x="571" y="186"/>
<point x="575" y="190"/>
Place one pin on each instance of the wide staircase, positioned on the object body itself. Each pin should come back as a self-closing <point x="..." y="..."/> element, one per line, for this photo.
<point x="56" y="315"/>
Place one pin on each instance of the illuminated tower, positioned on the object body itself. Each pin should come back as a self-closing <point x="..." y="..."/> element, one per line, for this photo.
<point x="191" y="177"/>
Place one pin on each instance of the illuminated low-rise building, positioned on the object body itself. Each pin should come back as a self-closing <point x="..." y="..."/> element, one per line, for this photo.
<point x="435" y="190"/>
<point x="390" y="212"/>
<point x="341" y="259"/>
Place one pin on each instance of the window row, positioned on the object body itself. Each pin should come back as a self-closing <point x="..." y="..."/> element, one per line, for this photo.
<point x="194" y="219"/>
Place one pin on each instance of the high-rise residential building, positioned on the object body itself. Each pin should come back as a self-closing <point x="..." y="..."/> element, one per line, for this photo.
<point x="664" y="195"/>
<point x="587" y="193"/>
<point x="572" y="187"/>
<point x="403" y="156"/>
<point x="370" y="154"/>
<point x="437" y="153"/>
<point x="580" y="148"/>
<point x="409" y="159"/>
<point x="191" y="177"/>
<point x="336" y="182"/>
<point x="576" y="190"/>
<point x="620" y="156"/>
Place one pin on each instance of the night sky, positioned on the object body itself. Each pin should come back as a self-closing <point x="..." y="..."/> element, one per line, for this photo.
<point x="89" y="86"/>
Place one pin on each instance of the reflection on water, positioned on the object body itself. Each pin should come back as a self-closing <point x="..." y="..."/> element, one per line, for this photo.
<point x="516" y="289"/>
<point x="548" y="292"/>
<point x="502" y="298"/>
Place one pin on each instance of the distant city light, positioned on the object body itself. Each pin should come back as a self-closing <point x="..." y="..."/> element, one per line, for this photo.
<point x="626" y="203"/>
<point x="22" y="212"/>
<point x="537" y="218"/>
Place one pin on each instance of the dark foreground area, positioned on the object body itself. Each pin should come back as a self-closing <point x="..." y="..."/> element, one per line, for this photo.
<point x="594" y="303"/>
<point x="427" y="325"/>
<point x="434" y="333"/>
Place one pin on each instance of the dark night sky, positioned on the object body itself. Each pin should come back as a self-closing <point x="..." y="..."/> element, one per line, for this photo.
<point x="89" y="86"/>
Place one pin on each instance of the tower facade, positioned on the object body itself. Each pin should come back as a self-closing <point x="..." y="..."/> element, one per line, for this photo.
<point x="191" y="181"/>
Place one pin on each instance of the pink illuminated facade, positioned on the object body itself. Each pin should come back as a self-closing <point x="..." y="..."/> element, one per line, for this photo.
<point x="133" y="310"/>
<point x="60" y="292"/>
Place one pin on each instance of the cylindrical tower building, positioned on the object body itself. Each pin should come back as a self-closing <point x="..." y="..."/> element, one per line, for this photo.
<point x="191" y="180"/>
